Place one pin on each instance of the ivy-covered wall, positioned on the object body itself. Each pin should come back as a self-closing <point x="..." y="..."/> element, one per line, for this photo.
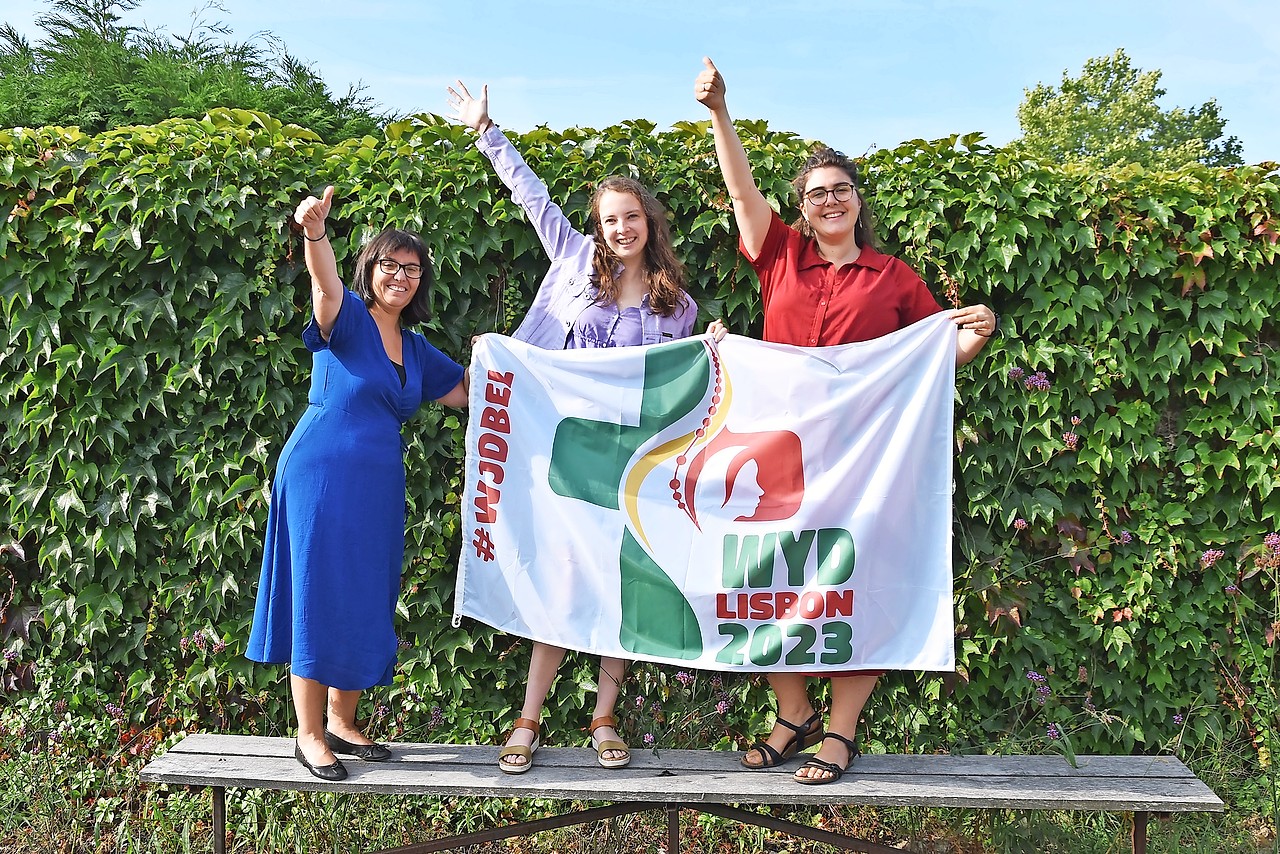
<point x="1116" y="447"/>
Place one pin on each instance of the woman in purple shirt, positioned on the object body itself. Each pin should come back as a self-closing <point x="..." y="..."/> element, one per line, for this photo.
<point x="618" y="287"/>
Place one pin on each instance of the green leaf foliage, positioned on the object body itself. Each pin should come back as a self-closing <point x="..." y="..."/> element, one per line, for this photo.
<point x="94" y="72"/>
<point x="1116" y="445"/>
<point x="1109" y="117"/>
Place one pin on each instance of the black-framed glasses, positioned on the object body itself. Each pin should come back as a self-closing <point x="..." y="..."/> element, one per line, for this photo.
<point x="818" y="195"/>
<point x="413" y="271"/>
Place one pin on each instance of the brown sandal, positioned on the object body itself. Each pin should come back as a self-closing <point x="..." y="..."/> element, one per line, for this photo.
<point x="526" y="752"/>
<point x="611" y="744"/>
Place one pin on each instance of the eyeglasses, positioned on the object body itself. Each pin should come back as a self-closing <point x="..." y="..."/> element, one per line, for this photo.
<point x="413" y="271"/>
<point x="842" y="191"/>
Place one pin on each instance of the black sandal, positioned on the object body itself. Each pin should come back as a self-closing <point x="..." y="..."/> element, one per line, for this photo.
<point x="806" y="735"/>
<point x="836" y="771"/>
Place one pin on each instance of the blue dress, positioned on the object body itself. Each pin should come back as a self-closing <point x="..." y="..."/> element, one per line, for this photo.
<point x="335" y="529"/>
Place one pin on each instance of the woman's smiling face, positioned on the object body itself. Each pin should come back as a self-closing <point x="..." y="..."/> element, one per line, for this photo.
<point x="831" y="220"/>
<point x="623" y="225"/>
<point x="394" y="291"/>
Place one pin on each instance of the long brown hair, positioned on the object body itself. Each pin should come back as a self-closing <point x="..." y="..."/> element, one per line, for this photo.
<point x="864" y="230"/>
<point x="664" y="273"/>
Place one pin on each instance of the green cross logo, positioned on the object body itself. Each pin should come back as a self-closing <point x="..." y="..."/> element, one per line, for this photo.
<point x="588" y="461"/>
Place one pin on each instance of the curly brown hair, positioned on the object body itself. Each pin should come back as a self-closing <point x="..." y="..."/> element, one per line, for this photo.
<point x="663" y="271"/>
<point x="864" y="230"/>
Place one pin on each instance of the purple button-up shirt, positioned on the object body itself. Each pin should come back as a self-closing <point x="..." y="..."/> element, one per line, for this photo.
<point x="564" y="313"/>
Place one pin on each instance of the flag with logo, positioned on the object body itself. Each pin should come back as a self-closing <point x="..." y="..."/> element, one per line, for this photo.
<point x="740" y="505"/>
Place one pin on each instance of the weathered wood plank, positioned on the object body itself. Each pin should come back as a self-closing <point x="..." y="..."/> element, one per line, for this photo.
<point x="690" y="776"/>
<point x="487" y="755"/>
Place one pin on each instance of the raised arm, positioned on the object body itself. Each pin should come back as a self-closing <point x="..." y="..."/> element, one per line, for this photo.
<point x="750" y="209"/>
<point x="326" y="286"/>
<point x="557" y="234"/>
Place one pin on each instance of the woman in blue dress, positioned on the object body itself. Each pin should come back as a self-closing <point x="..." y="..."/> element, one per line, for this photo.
<point x="335" y="531"/>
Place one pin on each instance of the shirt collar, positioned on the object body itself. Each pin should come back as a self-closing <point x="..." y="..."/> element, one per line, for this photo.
<point x="868" y="257"/>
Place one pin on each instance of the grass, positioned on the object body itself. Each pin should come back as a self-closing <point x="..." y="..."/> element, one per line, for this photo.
<point x="69" y="784"/>
<point x="53" y="800"/>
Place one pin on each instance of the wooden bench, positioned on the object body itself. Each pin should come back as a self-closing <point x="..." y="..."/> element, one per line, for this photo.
<point x="701" y="780"/>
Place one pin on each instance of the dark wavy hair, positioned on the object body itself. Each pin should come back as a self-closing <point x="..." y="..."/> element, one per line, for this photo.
<point x="864" y="230"/>
<point x="393" y="240"/>
<point x="663" y="270"/>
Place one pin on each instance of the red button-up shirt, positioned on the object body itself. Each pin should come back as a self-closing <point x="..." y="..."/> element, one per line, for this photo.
<point x="808" y="302"/>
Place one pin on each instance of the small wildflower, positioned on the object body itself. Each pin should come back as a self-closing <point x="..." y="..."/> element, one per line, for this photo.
<point x="1020" y="524"/>
<point x="403" y="644"/>
<point x="1016" y="373"/>
<point x="1039" y="381"/>
<point x="1177" y="719"/>
<point x="1272" y="541"/>
<point x="437" y="717"/>
<point x="60" y="707"/>
<point x="1210" y="557"/>
<point x="1053" y="732"/>
<point x="1082" y="674"/>
<point x="684" y="678"/>
<point x="1034" y="677"/>
<point x="648" y="739"/>
<point x="10" y="655"/>
<point x="722" y="707"/>
<point x="184" y="643"/>
<point x="114" y="711"/>
<point x="381" y="711"/>
<point x="716" y="681"/>
<point x="1232" y="589"/>
<point x="1040" y="699"/>
<point x="1071" y="440"/>
<point x="639" y="702"/>
<point x="199" y="641"/>
<point x="219" y="645"/>
<point x="1075" y="420"/>
<point x="1088" y="704"/>
<point x="1044" y="690"/>
<point x="1125" y="538"/>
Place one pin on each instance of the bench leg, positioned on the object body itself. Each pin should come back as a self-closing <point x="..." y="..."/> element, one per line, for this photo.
<point x="835" y="840"/>
<point x="1139" y="833"/>
<point x="219" y="820"/>
<point x="524" y="828"/>
<point x="673" y="829"/>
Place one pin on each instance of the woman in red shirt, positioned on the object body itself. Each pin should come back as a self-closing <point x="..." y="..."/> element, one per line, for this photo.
<point x="821" y="283"/>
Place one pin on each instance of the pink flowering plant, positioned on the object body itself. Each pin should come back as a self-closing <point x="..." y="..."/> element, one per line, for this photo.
<point x="669" y="707"/>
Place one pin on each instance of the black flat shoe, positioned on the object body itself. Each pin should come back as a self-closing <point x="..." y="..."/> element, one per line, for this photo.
<point x="332" y="773"/>
<point x="368" y="752"/>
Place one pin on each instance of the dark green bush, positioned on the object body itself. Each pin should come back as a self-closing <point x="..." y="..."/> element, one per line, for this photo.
<point x="1116" y="447"/>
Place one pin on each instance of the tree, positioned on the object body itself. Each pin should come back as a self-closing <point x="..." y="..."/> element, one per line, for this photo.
<point x="1109" y="116"/>
<point x="91" y="71"/>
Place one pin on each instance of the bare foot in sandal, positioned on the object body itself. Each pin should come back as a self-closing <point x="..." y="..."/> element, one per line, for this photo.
<point x="517" y="754"/>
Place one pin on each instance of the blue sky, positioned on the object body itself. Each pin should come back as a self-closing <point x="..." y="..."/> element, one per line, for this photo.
<point x="858" y="74"/>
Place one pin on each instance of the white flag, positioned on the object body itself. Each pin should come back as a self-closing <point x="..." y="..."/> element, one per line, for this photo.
<point x="739" y="505"/>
